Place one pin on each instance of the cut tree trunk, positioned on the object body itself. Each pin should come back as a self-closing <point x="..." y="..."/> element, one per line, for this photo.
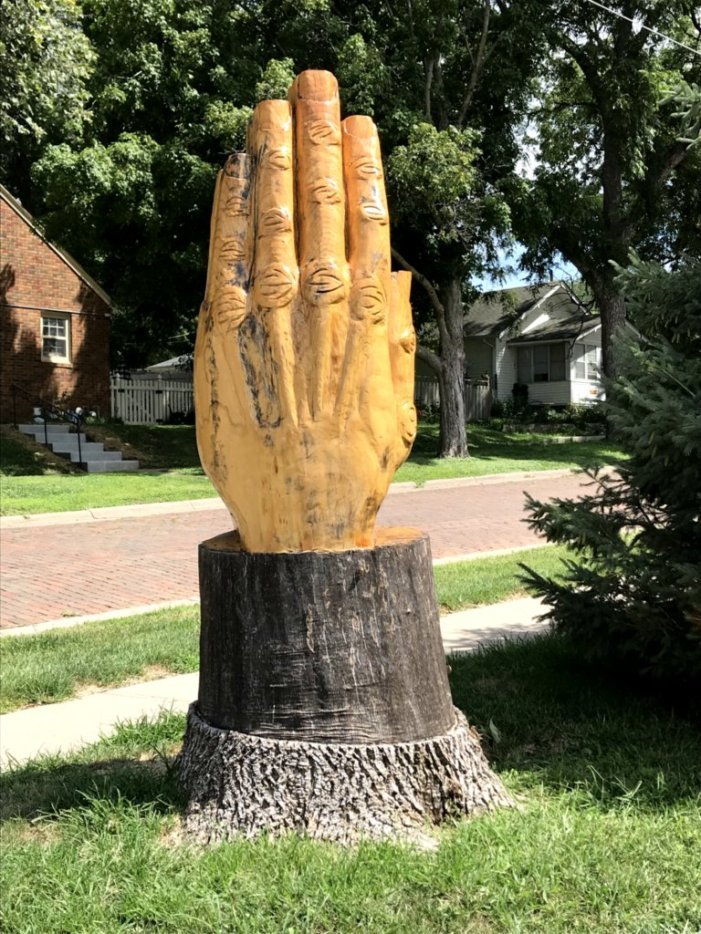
<point x="324" y="706"/>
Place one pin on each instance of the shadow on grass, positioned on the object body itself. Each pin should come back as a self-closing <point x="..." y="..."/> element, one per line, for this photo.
<point x="137" y="765"/>
<point x="558" y="721"/>
<point x="546" y="716"/>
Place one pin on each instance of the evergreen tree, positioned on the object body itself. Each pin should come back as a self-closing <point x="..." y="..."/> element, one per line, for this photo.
<point x="636" y="597"/>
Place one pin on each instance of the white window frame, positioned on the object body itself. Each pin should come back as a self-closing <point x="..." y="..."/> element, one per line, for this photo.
<point x="589" y="356"/>
<point x="530" y="350"/>
<point x="49" y="356"/>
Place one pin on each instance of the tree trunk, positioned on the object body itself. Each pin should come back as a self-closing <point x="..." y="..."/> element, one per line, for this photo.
<point x="452" y="374"/>
<point x="324" y="705"/>
<point x="613" y="316"/>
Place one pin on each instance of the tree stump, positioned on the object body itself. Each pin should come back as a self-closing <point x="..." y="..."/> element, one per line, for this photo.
<point x="324" y="706"/>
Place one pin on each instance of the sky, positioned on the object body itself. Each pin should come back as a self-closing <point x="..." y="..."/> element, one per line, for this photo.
<point x="561" y="270"/>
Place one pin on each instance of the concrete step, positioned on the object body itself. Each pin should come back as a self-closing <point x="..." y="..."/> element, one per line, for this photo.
<point x="56" y="429"/>
<point x="87" y="452"/>
<point x="114" y="466"/>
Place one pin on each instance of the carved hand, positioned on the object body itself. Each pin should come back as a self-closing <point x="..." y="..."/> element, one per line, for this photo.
<point x="304" y="362"/>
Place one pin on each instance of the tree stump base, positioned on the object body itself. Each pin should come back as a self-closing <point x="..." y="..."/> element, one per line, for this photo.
<point x="331" y="791"/>
<point x="324" y="706"/>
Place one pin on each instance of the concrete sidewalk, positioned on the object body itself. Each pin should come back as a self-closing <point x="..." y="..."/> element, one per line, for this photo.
<point x="60" y="728"/>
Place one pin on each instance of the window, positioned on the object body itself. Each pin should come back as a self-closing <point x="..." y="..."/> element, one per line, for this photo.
<point x="56" y="338"/>
<point x="543" y="363"/>
<point x="587" y="362"/>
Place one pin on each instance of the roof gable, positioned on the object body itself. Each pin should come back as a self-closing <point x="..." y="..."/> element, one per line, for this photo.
<point x="495" y="312"/>
<point x="66" y="257"/>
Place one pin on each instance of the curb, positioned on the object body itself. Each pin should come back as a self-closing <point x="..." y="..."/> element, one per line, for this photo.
<point x="140" y="511"/>
<point x="69" y="622"/>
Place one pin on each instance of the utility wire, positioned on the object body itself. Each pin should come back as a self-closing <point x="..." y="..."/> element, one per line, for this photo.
<point x="643" y="26"/>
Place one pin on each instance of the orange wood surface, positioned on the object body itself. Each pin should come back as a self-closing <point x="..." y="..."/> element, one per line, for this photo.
<point x="304" y="360"/>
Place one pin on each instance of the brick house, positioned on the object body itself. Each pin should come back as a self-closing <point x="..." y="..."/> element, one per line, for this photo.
<point x="54" y="344"/>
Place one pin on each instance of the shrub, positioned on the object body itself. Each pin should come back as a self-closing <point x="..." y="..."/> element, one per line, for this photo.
<point x="636" y="598"/>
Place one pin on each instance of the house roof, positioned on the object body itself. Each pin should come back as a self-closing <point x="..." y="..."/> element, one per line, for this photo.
<point x="561" y="329"/>
<point x="495" y="311"/>
<point x="59" y="251"/>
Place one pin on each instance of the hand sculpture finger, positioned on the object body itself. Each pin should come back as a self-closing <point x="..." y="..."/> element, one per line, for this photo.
<point x="321" y="223"/>
<point x="275" y="276"/>
<point x="228" y="247"/>
<point x="402" y="342"/>
<point x="224" y="309"/>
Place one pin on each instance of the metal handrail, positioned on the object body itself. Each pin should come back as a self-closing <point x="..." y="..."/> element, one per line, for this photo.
<point x="75" y="416"/>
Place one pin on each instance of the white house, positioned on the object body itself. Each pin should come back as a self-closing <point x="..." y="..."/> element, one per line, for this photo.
<point x="540" y="336"/>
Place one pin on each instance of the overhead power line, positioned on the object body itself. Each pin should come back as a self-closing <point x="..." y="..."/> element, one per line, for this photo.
<point x="651" y="29"/>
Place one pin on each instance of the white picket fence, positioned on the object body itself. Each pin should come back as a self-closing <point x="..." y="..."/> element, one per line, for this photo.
<point x="147" y="400"/>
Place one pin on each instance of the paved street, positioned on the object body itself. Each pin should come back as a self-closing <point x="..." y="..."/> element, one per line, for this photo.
<point x="52" y="571"/>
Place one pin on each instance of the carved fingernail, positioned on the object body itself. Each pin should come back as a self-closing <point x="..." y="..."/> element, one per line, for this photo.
<point x="313" y="85"/>
<point x="276" y="220"/>
<point x="407" y="340"/>
<point x="325" y="191"/>
<point x="368" y="301"/>
<point x="324" y="284"/>
<point x="275" y="286"/>
<point x="323" y="133"/>
<point x="230" y="307"/>
<point x="407" y="421"/>
<point x="360" y="126"/>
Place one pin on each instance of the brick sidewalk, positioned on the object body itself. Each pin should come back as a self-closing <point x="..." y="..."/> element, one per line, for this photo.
<point x="69" y="570"/>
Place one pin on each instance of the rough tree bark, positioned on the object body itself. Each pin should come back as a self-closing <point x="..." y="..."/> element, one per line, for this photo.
<point x="324" y="706"/>
<point x="452" y="373"/>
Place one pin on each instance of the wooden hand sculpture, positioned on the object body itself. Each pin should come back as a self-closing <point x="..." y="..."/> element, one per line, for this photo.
<point x="304" y="362"/>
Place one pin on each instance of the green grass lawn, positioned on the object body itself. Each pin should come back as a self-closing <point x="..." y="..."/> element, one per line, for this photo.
<point x="55" y="665"/>
<point x="606" y="838"/>
<point x="172" y="451"/>
<point x="493" y="452"/>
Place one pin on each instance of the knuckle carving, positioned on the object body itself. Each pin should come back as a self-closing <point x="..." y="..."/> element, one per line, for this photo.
<point x="230" y="307"/>
<point x="275" y="221"/>
<point x="407" y="341"/>
<point x="407" y="421"/>
<point x="275" y="286"/>
<point x="368" y="301"/>
<point x="279" y="158"/>
<point x="236" y="204"/>
<point x="232" y="250"/>
<point x="325" y="284"/>
<point x="325" y="191"/>
<point x="373" y="210"/>
<point x="366" y="167"/>
<point x="324" y="133"/>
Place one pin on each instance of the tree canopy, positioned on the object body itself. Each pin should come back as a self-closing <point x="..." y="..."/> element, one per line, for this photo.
<point x="616" y="120"/>
<point x="121" y="112"/>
